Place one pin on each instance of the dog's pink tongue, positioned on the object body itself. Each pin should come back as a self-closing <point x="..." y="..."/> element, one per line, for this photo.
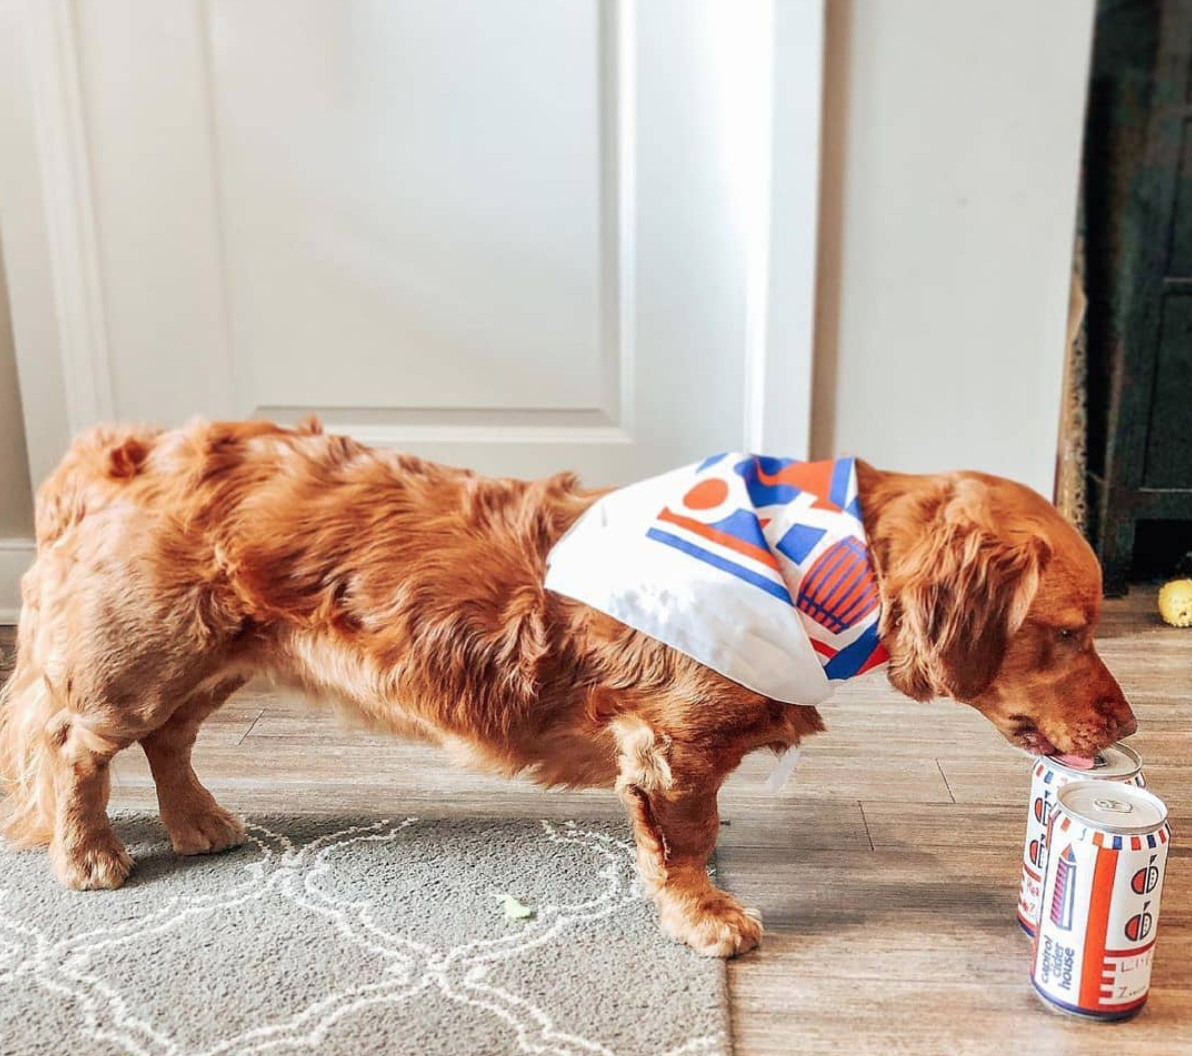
<point x="1077" y="762"/>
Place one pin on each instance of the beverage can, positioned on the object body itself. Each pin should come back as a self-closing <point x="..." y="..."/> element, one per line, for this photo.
<point x="1102" y="885"/>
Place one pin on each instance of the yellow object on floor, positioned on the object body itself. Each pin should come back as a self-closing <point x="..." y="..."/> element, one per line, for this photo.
<point x="1175" y="602"/>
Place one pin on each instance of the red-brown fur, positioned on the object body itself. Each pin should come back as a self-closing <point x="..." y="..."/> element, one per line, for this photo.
<point x="172" y="566"/>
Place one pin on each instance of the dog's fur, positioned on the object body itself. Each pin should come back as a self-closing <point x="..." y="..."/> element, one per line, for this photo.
<point x="172" y="566"/>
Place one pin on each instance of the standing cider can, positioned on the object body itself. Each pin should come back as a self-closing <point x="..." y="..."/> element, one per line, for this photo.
<point x="1102" y="882"/>
<point x="1118" y="762"/>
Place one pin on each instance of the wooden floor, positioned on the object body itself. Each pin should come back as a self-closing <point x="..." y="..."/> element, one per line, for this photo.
<point x="887" y="870"/>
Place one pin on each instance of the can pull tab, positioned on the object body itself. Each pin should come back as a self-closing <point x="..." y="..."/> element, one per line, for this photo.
<point x="1114" y="806"/>
<point x="781" y="774"/>
<point x="1099" y="761"/>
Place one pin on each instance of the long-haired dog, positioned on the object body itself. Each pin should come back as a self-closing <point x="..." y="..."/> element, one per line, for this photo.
<point x="172" y="566"/>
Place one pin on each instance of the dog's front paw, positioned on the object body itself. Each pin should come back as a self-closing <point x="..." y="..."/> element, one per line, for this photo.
<point x="91" y="863"/>
<point x="715" y="924"/>
<point x="213" y="830"/>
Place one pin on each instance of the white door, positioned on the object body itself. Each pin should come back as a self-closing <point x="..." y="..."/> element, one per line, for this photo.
<point x="520" y="235"/>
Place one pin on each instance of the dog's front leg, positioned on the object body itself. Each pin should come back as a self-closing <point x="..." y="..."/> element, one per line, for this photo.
<point x="670" y="791"/>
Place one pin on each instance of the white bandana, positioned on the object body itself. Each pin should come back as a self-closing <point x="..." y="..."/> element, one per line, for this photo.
<point x="756" y="567"/>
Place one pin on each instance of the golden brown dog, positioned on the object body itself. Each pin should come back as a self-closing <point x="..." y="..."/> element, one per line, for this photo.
<point x="172" y="566"/>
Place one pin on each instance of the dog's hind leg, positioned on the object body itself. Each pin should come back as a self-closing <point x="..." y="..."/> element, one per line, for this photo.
<point x="85" y="852"/>
<point x="197" y="824"/>
<point x="87" y="688"/>
<point x="58" y="735"/>
<point x="670" y="789"/>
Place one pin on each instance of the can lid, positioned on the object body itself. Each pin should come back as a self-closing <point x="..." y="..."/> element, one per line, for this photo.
<point x="1118" y="762"/>
<point x="1121" y="809"/>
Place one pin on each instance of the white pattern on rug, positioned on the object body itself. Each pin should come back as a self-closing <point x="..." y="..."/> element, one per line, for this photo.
<point x="304" y="874"/>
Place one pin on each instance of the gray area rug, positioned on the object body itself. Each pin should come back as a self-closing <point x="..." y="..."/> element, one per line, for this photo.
<point x="354" y="936"/>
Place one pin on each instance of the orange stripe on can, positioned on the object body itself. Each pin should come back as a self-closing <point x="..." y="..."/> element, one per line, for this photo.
<point x="1098" y="923"/>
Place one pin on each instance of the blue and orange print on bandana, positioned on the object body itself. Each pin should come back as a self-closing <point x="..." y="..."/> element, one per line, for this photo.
<point x="792" y="530"/>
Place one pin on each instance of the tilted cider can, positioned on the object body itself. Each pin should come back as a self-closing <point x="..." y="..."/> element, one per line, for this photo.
<point x="1118" y="762"/>
<point x="1102" y="882"/>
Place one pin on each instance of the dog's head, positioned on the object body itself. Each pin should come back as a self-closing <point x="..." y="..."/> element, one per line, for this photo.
<point x="992" y="598"/>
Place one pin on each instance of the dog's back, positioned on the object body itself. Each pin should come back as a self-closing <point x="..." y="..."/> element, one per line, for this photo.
<point x="173" y="562"/>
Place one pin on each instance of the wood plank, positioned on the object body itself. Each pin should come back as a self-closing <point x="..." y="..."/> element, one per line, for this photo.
<point x="781" y="1005"/>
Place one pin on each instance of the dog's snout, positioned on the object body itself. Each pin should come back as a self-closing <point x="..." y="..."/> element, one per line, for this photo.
<point x="1118" y="712"/>
<point x="1110" y="703"/>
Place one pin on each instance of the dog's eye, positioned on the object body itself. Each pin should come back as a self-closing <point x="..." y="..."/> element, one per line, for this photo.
<point x="1067" y="634"/>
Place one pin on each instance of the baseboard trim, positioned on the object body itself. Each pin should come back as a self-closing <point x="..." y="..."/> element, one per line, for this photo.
<point x="16" y="555"/>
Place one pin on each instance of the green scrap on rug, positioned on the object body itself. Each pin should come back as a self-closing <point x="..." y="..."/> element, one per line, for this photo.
<point x="514" y="909"/>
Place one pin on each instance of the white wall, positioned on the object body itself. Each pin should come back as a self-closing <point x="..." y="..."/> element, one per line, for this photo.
<point x="16" y="496"/>
<point x="952" y="139"/>
<point x="951" y="144"/>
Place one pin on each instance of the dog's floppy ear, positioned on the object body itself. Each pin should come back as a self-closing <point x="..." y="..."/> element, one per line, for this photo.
<point x="954" y="596"/>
